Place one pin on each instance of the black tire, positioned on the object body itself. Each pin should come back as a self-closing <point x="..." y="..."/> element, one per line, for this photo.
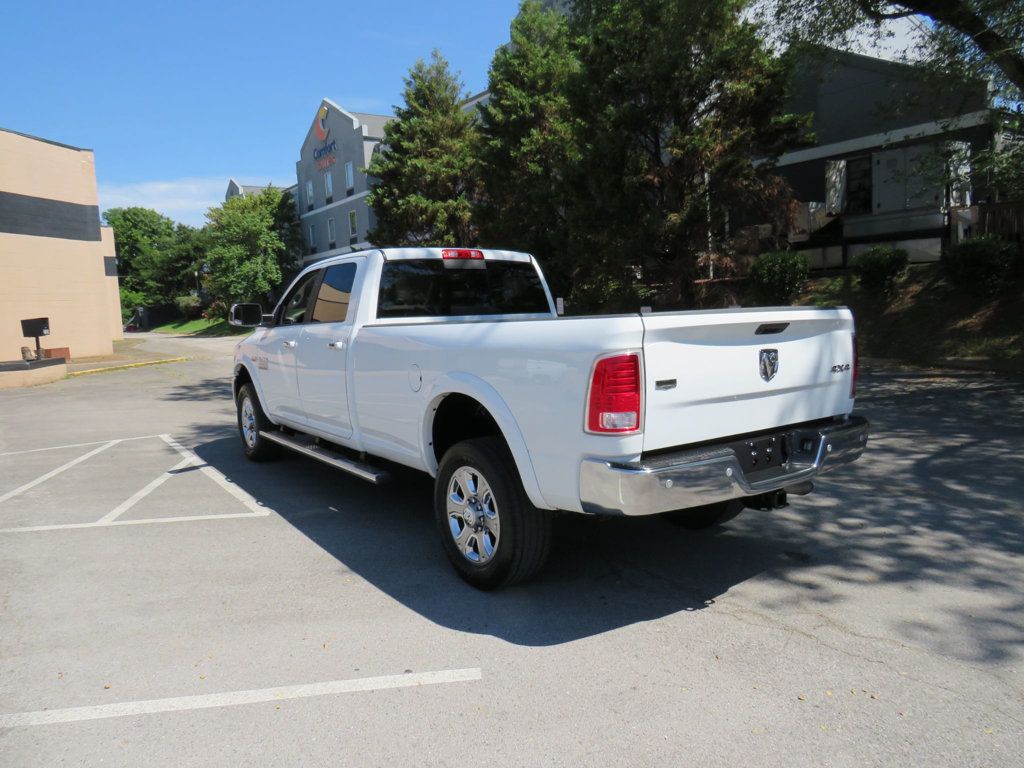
<point x="523" y="536"/>
<point x="257" y="447"/>
<point x="699" y="518"/>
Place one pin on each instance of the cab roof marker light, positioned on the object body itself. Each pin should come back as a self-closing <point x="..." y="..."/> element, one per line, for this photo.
<point x="462" y="253"/>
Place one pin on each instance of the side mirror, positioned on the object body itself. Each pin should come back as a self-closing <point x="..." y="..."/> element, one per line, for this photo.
<point x="246" y="315"/>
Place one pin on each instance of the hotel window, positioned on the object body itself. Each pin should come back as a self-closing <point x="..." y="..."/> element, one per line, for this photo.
<point x="859" y="185"/>
<point x="350" y="177"/>
<point x="330" y="233"/>
<point x="312" y="238"/>
<point x="352" y="226"/>
<point x="309" y="195"/>
<point x="329" y="186"/>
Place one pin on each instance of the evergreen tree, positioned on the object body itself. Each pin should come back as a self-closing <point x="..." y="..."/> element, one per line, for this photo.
<point x="426" y="166"/>
<point x="528" y="143"/>
<point x="679" y="97"/>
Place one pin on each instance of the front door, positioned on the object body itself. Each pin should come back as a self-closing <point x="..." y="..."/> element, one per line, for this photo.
<point x="277" y="349"/>
<point x="323" y="352"/>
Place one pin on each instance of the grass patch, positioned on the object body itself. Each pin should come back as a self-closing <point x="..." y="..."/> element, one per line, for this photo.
<point x="201" y="327"/>
<point x="925" y="320"/>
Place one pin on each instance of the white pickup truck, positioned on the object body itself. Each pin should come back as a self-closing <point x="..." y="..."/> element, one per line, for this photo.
<point x="454" y="362"/>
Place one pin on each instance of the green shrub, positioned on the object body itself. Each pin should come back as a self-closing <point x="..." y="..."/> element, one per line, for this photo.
<point x="130" y="300"/>
<point x="190" y="307"/>
<point x="983" y="265"/>
<point x="778" y="276"/>
<point x="880" y="267"/>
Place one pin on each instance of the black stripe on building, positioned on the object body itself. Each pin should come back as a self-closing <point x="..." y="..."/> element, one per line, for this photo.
<point x="37" y="216"/>
<point x="110" y="266"/>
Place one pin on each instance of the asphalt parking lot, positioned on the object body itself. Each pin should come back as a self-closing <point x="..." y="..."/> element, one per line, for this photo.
<point x="165" y="602"/>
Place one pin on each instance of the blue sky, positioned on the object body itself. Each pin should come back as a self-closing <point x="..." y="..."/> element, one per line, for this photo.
<point x="177" y="97"/>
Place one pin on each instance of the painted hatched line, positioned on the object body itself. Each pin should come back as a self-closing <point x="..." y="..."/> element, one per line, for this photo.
<point x="236" y="698"/>
<point x="189" y="458"/>
<point x="142" y="493"/>
<point x="247" y="499"/>
<point x="55" y="472"/>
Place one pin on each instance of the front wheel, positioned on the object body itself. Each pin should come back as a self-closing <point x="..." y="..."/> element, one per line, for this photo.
<point x="251" y="422"/>
<point x="490" y="531"/>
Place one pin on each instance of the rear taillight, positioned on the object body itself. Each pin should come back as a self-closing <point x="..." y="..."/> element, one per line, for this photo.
<point x="856" y="369"/>
<point x="614" y="402"/>
<point x="461" y="253"/>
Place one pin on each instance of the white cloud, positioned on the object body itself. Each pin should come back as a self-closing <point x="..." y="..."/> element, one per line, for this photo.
<point x="184" y="200"/>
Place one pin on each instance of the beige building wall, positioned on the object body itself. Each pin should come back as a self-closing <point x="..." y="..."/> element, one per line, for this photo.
<point x="113" y="286"/>
<point x="55" y="259"/>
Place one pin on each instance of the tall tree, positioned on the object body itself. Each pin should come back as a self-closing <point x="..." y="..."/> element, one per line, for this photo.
<point x="679" y="97"/>
<point x="966" y="38"/>
<point x="288" y="226"/>
<point x="426" y="168"/>
<point x="169" y="271"/>
<point x="142" y="238"/>
<point x="528" y="143"/>
<point x="247" y="256"/>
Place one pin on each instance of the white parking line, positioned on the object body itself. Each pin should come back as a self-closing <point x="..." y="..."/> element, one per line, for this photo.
<point x="217" y="477"/>
<point x="189" y="458"/>
<point x="234" y="698"/>
<point x="55" y="472"/>
<point x="146" y="521"/>
<point x="142" y="493"/>
<point x="75" y="445"/>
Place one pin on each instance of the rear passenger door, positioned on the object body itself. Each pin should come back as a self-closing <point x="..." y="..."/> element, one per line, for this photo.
<point x="323" y="350"/>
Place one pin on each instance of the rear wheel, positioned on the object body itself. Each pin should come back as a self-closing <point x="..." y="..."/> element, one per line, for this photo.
<point x="252" y="422"/>
<point x="490" y="531"/>
<point x="698" y="518"/>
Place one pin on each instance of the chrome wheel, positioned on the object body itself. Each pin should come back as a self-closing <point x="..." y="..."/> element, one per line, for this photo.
<point x="248" y="423"/>
<point x="473" y="515"/>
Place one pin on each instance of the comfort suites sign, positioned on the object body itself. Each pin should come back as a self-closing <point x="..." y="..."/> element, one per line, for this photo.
<point x="325" y="155"/>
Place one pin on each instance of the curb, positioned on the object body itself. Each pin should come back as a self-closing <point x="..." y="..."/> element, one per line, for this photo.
<point x="126" y="366"/>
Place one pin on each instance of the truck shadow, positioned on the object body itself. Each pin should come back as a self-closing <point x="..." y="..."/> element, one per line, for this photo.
<point x="934" y="505"/>
<point x="602" y="574"/>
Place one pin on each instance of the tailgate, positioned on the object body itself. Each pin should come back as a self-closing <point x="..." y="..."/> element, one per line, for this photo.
<point x="731" y="372"/>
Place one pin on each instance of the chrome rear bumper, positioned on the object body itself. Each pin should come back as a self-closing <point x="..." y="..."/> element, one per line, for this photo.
<point x="695" y="477"/>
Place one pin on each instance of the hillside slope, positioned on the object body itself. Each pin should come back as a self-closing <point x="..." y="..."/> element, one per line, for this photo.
<point x="927" y="321"/>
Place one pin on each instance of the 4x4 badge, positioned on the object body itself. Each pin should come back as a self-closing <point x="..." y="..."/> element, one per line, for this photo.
<point x="769" y="363"/>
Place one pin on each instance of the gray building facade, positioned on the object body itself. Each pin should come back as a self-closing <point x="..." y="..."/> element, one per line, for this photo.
<point x="236" y="189"/>
<point x="875" y="173"/>
<point x="332" y="188"/>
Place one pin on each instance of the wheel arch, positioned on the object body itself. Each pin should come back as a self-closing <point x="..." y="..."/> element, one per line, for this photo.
<point x="243" y="375"/>
<point x="450" y="398"/>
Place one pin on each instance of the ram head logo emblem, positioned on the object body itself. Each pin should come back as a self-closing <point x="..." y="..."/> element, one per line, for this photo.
<point x="768" y="363"/>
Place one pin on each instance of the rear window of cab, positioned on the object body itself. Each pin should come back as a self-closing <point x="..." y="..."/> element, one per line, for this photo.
<point x="437" y="288"/>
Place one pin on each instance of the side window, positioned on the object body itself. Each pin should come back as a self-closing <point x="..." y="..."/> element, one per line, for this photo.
<point x="859" y="185"/>
<point x="293" y="311"/>
<point x="335" y="291"/>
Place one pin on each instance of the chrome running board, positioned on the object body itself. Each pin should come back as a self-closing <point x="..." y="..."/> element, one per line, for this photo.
<point x="327" y="456"/>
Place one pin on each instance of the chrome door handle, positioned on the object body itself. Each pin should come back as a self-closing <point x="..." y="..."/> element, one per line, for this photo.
<point x="289" y="344"/>
<point x="340" y="344"/>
